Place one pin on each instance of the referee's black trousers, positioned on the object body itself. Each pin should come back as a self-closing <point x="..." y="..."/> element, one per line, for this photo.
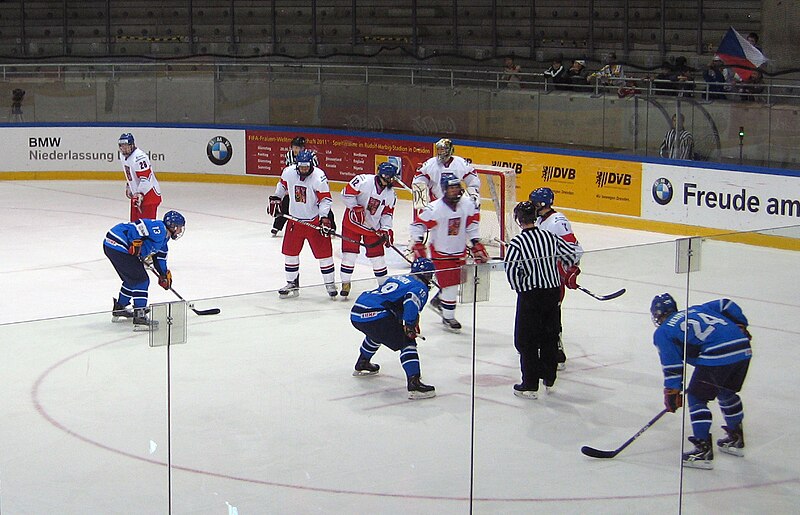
<point x="536" y="328"/>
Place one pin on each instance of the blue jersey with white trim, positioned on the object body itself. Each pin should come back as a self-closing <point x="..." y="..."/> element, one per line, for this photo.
<point x="154" y="236"/>
<point x="403" y="297"/>
<point x="712" y="339"/>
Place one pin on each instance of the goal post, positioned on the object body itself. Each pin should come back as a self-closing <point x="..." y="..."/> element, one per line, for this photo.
<point x="498" y="198"/>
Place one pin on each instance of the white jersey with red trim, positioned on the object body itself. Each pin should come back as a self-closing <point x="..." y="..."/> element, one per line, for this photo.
<point x="378" y="203"/>
<point x="139" y="173"/>
<point x="309" y="197"/>
<point x="449" y="228"/>
<point x="430" y="174"/>
<point x="556" y="223"/>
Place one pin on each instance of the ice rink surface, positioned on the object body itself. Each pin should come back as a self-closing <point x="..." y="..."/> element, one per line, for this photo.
<point x="259" y="413"/>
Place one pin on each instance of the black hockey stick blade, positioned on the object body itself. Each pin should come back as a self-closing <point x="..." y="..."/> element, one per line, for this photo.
<point x="203" y="312"/>
<point x="603" y="297"/>
<point x="597" y="453"/>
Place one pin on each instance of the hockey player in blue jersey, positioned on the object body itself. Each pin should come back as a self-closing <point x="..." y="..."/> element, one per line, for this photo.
<point x="389" y="315"/>
<point x="718" y="346"/>
<point x="128" y="246"/>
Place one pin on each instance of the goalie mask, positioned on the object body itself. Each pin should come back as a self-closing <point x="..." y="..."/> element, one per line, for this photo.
<point x="305" y="163"/>
<point x="451" y="187"/>
<point x="175" y="223"/>
<point x="444" y="149"/>
<point x="387" y="172"/>
<point x="662" y="306"/>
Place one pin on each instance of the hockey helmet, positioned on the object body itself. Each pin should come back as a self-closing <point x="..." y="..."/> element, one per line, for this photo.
<point x="444" y="149"/>
<point x="299" y="141"/>
<point x="388" y="172"/>
<point x="447" y="180"/>
<point x="525" y="213"/>
<point x="305" y="163"/>
<point x="423" y="268"/>
<point x="662" y="306"/>
<point x="126" y="144"/>
<point x="542" y="197"/>
<point x="175" y="223"/>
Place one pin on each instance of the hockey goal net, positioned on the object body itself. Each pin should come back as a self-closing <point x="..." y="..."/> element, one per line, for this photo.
<point x="498" y="199"/>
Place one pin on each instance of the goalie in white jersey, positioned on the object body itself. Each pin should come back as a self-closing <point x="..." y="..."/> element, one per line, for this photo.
<point x="310" y="202"/>
<point x="552" y="221"/>
<point x="370" y="201"/>
<point x="427" y="181"/>
<point x="452" y="221"/>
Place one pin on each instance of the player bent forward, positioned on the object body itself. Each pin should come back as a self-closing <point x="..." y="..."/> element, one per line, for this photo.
<point x="718" y="346"/>
<point x="389" y="315"/>
<point x="127" y="246"/>
<point x="452" y="221"/>
<point x="370" y="201"/>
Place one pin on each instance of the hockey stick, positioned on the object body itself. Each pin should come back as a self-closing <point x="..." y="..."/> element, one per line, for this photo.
<point x="603" y="297"/>
<point x="596" y="453"/>
<point x="345" y="238"/>
<point x="201" y="312"/>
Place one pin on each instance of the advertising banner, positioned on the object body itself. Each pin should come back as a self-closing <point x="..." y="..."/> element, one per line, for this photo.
<point x="340" y="156"/>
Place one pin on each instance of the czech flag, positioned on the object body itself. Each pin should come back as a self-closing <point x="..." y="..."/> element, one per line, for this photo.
<point x="739" y="54"/>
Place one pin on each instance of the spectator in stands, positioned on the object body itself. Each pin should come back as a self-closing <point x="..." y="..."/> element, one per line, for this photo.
<point x="751" y="87"/>
<point x="511" y="72"/>
<point x="577" y="74"/>
<point x="682" y="77"/>
<point x="678" y="142"/>
<point x="752" y="38"/>
<point x="557" y="73"/>
<point x="611" y="74"/>
<point x="717" y="79"/>
<point x="17" y="96"/>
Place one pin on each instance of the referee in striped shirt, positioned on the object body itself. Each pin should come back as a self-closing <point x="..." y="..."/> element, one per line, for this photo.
<point x="531" y="263"/>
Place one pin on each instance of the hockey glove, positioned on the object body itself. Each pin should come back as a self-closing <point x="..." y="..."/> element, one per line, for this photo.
<point x="136" y="248"/>
<point x="387" y="236"/>
<point x="128" y="192"/>
<point x="325" y="227"/>
<point x="165" y="281"/>
<point x="571" y="277"/>
<point x="411" y="330"/>
<point x="358" y="216"/>
<point x="274" y="207"/>
<point x="672" y="399"/>
<point x="419" y="250"/>
<point x="136" y="200"/>
<point x="479" y="253"/>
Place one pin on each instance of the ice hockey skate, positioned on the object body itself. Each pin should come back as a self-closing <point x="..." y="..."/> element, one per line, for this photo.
<point x="702" y="457"/>
<point x="550" y="387"/>
<point x="436" y="304"/>
<point x="521" y="390"/>
<point x="419" y="390"/>
<point x="331" y="289"/>
<point x="142" y="320"/>
<point x="345" y="289"/>
<point x="562" y="358"/>
<point x="734" y="442"/>
<point x="365" y="368"/>
<point x="452" y="325"/>
<point x="292" y="289"/>
<point x="274" y="232"/>
<point x="120" y="313"/>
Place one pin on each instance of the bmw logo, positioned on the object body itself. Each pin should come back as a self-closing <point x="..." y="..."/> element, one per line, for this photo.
<point x="662" y="191"/>
<point x="219" y="150"/>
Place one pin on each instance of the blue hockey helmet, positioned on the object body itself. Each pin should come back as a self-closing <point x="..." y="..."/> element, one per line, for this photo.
<point x="423" y="268"/>
<point x="450" y="179"/>
<point x="388" y="172"/>
<point x="175" y="223"/>
<point x="662" y="306"/>
<point x="541" y="197"/>
<point x="126" y="139"/>
<point x="305" y="163"/>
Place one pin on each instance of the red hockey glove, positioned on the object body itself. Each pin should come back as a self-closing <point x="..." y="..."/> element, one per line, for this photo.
<point x="136" y="248"/>
<point x="274" y="207"/>
<point x="357" y="215"/>
<point x="165" y="281"/>
<point x="325" y="227"/>
<point x="571" y="277"/>
<point x="411" y="330"/>
<point x="136" y="200"/>
<point x="387" y="237"/>
<point x="672" y="399"/>
<point x="419" y="250"/>
<point x="479" y="253"/>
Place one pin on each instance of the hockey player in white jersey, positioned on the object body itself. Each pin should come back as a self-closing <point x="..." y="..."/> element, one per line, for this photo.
<point x="452" y="222"/>
<point x="297" y="145"/>
<point x="370" y="201"/>
<point x="427" y="181"/>
<point x="552" y="221"/>
<point x="141" y="188"/>
<point x="309" y="201"/>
